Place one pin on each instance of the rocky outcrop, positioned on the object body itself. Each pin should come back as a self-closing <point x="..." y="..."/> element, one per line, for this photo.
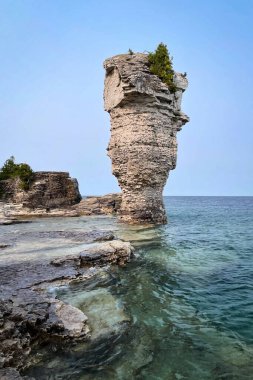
<point x="48" y="190"/>
<point x="11" y="212"/>
<point x="145" y="118"/>
<point x="111" y="252"/>
<point x="12" y="374"/>
<point x="27" y="315"/>
<point x="30" y="314"/>
<point x="101" y="205"/>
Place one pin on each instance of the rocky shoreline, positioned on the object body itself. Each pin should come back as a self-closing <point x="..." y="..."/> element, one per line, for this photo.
<point x="101" y="205"/>
<point x="29" y="314"/>
<point x="145" y="117"/>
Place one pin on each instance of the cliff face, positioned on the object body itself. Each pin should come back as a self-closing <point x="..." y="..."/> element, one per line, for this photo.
<point x="145" y="118"/>
<point x="48" y="190"/>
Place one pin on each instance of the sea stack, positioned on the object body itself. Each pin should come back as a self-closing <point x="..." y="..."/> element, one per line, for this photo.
<point x="145" y="118"/>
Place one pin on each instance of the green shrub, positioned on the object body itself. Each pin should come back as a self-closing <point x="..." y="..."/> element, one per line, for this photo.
<point x="161" y="65"/>
<point x="12" y="170"/>
<point x="8" y="169"/>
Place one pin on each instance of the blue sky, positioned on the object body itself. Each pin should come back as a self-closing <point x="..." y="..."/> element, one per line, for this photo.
<point x="51" y="86"/>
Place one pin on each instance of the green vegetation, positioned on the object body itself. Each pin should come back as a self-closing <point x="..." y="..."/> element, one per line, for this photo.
<point x="12" y="170"/>
<point x="161" y="65"/>
<point x="130" y="51"/>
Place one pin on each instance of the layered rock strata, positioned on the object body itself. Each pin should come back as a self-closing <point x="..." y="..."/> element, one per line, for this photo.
<point x="145" y="118"/>
<point x="101" y="205"/>
<point x="48" y="190"/>
<point x="29" y="313"/>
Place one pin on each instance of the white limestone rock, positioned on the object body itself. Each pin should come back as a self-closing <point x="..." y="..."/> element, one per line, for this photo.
<point x="145" y="118"/>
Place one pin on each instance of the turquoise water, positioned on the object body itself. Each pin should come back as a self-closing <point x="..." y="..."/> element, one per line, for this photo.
<point x="181" y="309"/>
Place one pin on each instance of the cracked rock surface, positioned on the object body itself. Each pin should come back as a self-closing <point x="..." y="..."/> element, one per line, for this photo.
<point x="47" y="190"/>
<point x="108" y="204"/>
<point x="145" y="118"/>
<point x="29" y="313"/>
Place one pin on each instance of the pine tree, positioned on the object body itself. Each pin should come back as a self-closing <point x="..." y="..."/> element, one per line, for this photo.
<point x="12" y="170"/>
<point x="161" y="65"/>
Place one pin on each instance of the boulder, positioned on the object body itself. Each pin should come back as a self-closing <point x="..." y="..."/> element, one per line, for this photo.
<point x="100" y="205"/>
<point x="109" y="252"/>
<point x="113" y="252"/>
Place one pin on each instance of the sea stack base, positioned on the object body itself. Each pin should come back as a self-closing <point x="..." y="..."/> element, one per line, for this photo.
<point x="142" y="207"/>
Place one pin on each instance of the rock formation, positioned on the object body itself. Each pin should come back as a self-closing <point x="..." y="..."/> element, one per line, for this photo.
<point x="101" y="205"/>
<point x="145" y="118"/>
<point x="30" y="314"/>
<point x="47" y="190"/>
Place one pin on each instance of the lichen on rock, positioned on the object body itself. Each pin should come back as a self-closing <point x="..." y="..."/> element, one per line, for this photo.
<point x="145" y="118"/>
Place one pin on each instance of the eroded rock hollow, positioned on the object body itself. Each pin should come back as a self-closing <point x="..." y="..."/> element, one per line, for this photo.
<point x="145" y="118"/>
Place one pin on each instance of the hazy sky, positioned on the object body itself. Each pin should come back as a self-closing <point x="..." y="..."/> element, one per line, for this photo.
<point x="51" y="86"/>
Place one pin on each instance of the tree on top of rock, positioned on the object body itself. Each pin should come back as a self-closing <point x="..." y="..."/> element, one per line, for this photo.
<point x="161" y="65"/>
<point x="12" y="170"/>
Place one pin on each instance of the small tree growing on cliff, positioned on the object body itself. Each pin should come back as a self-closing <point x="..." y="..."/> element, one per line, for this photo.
<point x="12" y="170"/>
<point x="161" y="65"/>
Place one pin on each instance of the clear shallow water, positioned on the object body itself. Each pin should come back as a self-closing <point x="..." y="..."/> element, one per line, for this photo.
<point x="182" y="309"/>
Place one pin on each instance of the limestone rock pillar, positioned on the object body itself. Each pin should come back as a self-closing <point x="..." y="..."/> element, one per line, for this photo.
<point x="145" y="118"/>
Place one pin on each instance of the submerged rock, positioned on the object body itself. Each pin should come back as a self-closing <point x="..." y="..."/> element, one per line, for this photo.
<point x="105" y="313"/>
<point x="145" y="118"/>
<point x="28" y="311"/>
<point x="111" y="252"/>
<point x="12" y="374"/>
<point x="72" y="320"/>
